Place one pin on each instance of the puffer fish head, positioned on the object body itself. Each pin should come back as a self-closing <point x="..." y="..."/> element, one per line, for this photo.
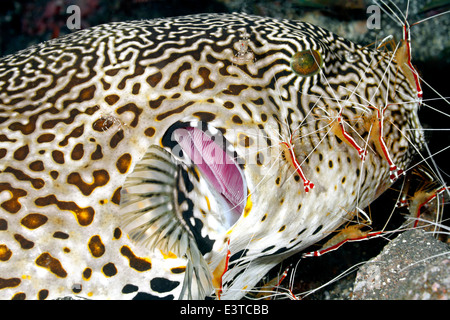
<point x="309" y="128"/>
<point x="364" y="87"/>
<point x="231" y="141"/>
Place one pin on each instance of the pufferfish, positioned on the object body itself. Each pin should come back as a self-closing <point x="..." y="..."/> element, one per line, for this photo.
<point x="185" y="157"/>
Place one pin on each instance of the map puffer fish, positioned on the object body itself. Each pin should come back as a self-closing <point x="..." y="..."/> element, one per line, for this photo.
<point x="185" y="157"/>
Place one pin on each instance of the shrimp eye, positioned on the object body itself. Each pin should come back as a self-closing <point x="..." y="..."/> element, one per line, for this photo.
<point x="306" y="63"/>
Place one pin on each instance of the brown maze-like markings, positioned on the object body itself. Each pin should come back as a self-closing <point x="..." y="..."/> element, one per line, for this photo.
<point x="78" y="113"/>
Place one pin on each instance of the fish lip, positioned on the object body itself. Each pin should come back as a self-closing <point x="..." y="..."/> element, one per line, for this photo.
<point x="204" y="146"/>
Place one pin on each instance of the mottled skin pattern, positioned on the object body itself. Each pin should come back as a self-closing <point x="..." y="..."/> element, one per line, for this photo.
<point x="78" y="113"/>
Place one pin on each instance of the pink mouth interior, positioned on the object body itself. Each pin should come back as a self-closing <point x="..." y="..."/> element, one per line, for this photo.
<point x="217" y="167"/>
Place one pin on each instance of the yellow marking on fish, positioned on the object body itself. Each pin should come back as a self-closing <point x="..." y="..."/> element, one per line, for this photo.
<point x="208" y="203"/>
<point x="169" y="255"/>
<point x="248" y="206"/>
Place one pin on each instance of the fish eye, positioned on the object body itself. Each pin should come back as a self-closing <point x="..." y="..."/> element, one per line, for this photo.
<point x="306" y="63"/>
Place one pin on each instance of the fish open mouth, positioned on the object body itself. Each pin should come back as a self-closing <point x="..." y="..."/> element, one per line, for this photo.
<point x="205" y="147"/>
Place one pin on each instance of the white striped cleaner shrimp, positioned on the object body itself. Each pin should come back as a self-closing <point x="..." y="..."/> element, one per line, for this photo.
<point x="376" y="129"/>
<point x="428" y="199"/>
<point x="423" y="198"/>
<point x="268" y="290"/>
<point x="337" y="127"/>
<point x="350" y="233"/>
<point x="289" y="155"/>
<point x="219" y="271"/>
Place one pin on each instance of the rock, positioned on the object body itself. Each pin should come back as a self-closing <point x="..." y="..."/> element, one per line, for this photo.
<point x="413" y="266"/>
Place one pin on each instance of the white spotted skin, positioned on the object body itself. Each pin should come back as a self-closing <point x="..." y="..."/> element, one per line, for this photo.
<point x="134" y="81"/>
